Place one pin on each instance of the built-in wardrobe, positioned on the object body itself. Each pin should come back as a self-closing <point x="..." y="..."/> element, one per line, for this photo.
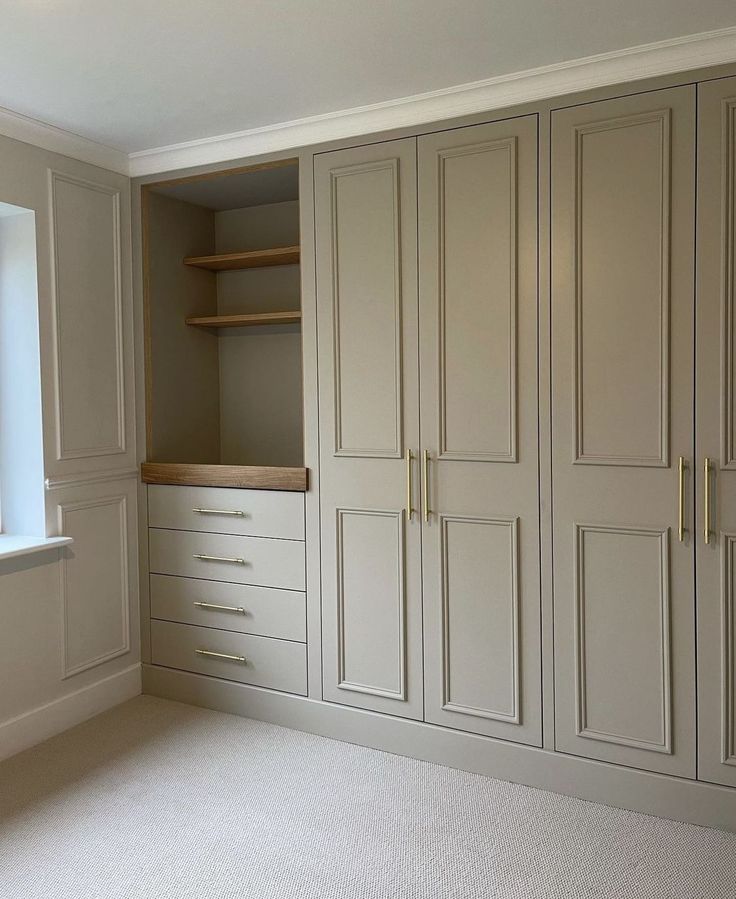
<point x="515" y="546"/>
<point x="427" y="287"/>
<point x="642" y="430"/>
<point x="427" y="291"/>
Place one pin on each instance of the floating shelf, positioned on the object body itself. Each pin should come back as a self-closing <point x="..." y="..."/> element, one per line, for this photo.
<point x="253" y="259"/>
<point x="245" y="321"/>
<point x="259" y="477"/>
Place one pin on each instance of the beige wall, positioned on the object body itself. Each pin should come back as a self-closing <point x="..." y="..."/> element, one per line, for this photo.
<point x="183" y="360"/>
<point x="69" y="642"/>
<point x="260" y="368"/>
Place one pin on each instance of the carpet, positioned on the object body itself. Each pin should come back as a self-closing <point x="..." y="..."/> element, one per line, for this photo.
<point x="159" y="800"/>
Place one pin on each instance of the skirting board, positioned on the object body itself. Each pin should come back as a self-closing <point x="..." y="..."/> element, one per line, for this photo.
<point x="46" y="721"/>
<point x="652" y="794"/>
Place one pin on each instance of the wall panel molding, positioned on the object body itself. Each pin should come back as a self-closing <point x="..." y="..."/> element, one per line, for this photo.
<point x="728" y="423"/>
<point x="91" y="586"/>
<point x="343" y="681"/>
<point x="342" y="443"/>
<point x="507" y="146"/>
<point x="93" y="477"/>
<point x="660" y="458"/>
<point x="583" y="726"/>
<point x="66" y="450"/>
<point x="728" y="650"/>
<point x="511" y="525"/>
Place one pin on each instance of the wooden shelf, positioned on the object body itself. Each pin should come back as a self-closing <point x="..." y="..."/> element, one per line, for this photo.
<point x="257" y="477"/>
<point x="253" y="259"/>
<point x="245" y="321"/>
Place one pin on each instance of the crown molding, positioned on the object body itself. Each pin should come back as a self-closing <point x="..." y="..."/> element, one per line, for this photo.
<point x="644" y="61"/>
<point x="57" y="140"/>
<point x="667" y="57"/>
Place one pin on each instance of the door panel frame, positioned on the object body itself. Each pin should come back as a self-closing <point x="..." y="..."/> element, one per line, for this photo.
<point x="371" y="482"/>
<point x="452" y="473"/>
<point x="573" y="478"/>
<point x="715" y="438"/>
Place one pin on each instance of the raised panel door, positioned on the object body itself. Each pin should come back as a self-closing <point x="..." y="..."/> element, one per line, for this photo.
<point x="622" y="416"/>
<point x="478" y="323"/>
<point x="716" y="431"/>
<point x="366" y="220"/>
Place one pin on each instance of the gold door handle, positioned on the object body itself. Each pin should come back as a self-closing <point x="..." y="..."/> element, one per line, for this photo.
<point x="205" y="558"/>
<point x="214" y="607"/>
<point x="706" y="500"/>
<point x="409" y="485"/>
<point x="682" y="465"/>
<point x="221" y="655"/>
<point x="425" y="484"/>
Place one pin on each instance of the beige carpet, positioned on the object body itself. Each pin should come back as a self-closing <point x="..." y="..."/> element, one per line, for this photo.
<point x="156" y="800"/>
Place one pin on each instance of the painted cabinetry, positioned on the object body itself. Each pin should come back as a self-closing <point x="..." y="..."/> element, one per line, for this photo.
<point x="431" y="535"/>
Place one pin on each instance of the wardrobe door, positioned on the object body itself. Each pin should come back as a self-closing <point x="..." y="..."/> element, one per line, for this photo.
<point x="716" y="431"/>
<point x="622" y="416"/>
<point x="478" y="324"/>
<point x="365" y="208"/>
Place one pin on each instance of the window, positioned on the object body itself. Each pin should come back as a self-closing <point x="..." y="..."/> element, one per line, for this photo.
<point x="22" y="514"/>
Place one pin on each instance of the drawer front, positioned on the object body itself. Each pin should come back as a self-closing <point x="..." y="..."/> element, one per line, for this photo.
<point x="248" y="610"/>
<point x="239" y="560"/>
<point x="223" y="510"/>
<point x="277" y="664"/>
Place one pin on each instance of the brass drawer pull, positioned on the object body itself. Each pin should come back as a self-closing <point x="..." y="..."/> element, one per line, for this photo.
<point x="221" y="655"/>
<point x="219" y="512"/>
<point x="425" y="484"/>
<point x="217" y="608"/>
<point x="706" y="500"/>
<point x="409" y="487"/>
<point x="206" y="558"/>
<point x="682" y="465"/>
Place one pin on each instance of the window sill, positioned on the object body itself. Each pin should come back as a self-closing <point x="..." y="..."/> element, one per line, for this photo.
<point x="11" y="546"/>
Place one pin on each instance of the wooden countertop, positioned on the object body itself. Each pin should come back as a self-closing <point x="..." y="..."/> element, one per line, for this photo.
<point x="258" y="477"/>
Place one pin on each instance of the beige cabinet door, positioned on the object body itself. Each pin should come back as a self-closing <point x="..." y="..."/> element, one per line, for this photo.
<point x="366" y="223"/>
<point x="622" y="414"/>
<point x="479" y="420"/>
<point x="715" y="435"/>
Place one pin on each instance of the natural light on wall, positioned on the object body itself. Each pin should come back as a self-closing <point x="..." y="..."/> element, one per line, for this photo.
<point x="22" y="517"/>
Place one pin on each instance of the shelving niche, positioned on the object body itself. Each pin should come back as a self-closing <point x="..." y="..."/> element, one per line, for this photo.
<point x="223" y="311"/>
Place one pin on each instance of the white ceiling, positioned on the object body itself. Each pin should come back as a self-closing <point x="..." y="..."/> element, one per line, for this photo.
<point x="138" y="74"/>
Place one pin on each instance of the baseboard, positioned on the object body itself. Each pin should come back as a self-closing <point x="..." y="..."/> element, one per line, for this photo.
<point x="46" y="721"/>
<point x="641" y="791"/>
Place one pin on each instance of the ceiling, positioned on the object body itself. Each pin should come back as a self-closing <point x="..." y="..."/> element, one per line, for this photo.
<point x="137" y="74"/>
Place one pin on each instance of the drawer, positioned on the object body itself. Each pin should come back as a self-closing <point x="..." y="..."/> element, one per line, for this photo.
<point x="248" y="610"/>
<point x="277" y="664"/>
<point x="224" y="510"/>
<point x="240" y="560"/>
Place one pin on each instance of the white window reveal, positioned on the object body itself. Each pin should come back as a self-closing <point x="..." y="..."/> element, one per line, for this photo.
<point x="22" y="514"/>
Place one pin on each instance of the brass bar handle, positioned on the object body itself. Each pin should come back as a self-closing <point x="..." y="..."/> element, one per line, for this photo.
<point x="206" y="558"/>
<point x="409" y="485"/>
<point x="212" y="606"/>
<point x="425" y="484"/>
<point x="706" y="500"/>
<point x="219" y="512"/>
<point x="221" y="655"/>
<point x="681" y="466"/>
